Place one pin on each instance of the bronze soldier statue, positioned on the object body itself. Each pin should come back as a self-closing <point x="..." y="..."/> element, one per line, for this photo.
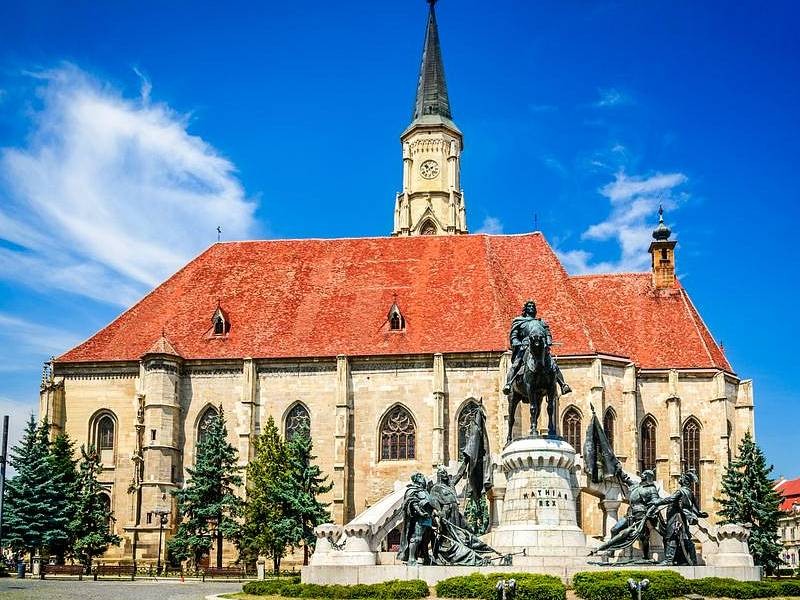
<point x="682" y="511"/>
<point x="418" y="514"/>
<point x="522" y="328"/>
<point x="642" y="515"/>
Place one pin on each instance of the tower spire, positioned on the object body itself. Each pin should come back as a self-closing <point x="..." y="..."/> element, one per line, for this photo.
<point x="432" y="96"/>
<point x="432" y="201"/>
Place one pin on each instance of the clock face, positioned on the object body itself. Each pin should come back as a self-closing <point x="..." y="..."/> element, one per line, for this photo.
<point x="429" y="169"/>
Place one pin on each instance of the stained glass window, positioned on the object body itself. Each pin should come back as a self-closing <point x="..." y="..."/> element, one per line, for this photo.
<point x="297" y="420"/>
<point x="691" y="452"/>
<point x="398" y="435"/>
<point x="205" y="420"/>
<point x="572" y="428"/>
<point x="647" y="442"/>
<point x="465" y="419"/>
<point x="105" y="433"/>
<point x="608" y="426"/>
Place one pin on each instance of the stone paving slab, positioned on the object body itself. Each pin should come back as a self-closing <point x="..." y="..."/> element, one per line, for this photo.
<point x="35" y="589"/>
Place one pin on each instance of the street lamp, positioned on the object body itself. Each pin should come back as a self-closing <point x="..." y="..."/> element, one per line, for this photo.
<point x="162" y="512"/>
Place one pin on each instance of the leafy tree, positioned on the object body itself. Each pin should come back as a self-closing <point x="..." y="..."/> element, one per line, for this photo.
<point x="306" y="483"/>
<point x="35" y="515"/>
<point x="65" y="483"/>
<point x="748" y="497"/>
<point x="269" y="526"/>
<point x="90" y="524"/>
<point x="209" y="498"/>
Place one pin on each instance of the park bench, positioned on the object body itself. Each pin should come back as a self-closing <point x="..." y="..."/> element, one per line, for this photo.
<point x="238" y="573"/>
<point x="62" y="570"/>
<point x="114" y="571"/>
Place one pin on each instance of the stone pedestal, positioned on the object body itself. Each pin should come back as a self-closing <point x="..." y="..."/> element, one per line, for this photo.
<point x="538" y="511"/>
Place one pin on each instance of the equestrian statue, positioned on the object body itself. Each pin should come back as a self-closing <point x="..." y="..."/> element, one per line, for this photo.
<point x="534" y="373"/>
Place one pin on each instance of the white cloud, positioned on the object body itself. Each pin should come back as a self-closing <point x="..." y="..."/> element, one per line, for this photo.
<point x="111" y="195"/>
<point x="634" y="201"/>
<point x="612" y="97"/>
<point x="19" y="337"/>
<point x="491" y="225"/>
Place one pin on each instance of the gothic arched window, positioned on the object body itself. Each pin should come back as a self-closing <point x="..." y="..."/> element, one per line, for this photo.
<point x="297" y="420"/>
<point x="465" y="418"/>
<point x="691" y="452"/>
<point x="105" y="433"/>
<point x="105" y="500"/>
<point x="202" y="426"/>
<point x="647" y="443"/>
<point x="398" y="435"/>
<point x="428" y="228"/>
<point x="571" y="428"/>
<point x="608" y="426"/>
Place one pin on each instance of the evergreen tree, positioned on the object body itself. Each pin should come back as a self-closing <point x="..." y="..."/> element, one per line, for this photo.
<point x="209" y="500"/>
<point x="269" y="526"/>
<point x="748" y="497"/>
<point x="477" y="515"/>
<point x="65" y="491"/>
<point x="89" y="527"/>
<point x="306" y="483"/>
<point x="34" y="514"/>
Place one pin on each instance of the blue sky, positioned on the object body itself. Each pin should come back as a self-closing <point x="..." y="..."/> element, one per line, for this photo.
<point x="130" y="130"/>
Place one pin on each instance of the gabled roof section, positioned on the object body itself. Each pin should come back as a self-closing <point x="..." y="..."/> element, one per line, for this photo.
<point x="321" y="298"/>
<point x="432" y="100"/>
<point x="656" y="328"/>
<point x="296" y="298"/>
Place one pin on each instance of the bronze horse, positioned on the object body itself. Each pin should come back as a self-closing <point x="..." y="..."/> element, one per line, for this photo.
<point x="535" y="380"/>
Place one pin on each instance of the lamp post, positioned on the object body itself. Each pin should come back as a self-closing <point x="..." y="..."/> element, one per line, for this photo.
<point x="162" y="512"/>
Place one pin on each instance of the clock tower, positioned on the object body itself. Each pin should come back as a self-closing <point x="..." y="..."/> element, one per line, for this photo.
<point x="432" y="201"/>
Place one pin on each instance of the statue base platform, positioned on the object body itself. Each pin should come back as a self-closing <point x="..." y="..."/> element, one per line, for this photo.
<point x="351" y="575"/>
<point x="537" y="514"/>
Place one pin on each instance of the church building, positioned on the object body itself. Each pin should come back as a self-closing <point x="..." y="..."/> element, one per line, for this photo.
<point x="384" y="346"/>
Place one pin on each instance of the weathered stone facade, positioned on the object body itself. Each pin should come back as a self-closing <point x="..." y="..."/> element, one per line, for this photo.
<point x="347" y="399"/>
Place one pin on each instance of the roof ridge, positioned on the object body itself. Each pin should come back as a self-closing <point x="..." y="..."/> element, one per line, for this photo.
<point x="619" y="274"/>
<point x="378" y="237"/>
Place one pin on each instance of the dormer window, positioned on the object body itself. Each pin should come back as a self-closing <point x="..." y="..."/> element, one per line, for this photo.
<point x="220" y="323"/>
<point x="396" y="320"/>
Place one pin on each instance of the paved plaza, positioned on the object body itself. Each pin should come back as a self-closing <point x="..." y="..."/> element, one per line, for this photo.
<point x="30" y="589"/>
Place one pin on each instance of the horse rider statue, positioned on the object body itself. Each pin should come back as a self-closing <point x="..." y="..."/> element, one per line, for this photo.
<point x="522" y="329"/>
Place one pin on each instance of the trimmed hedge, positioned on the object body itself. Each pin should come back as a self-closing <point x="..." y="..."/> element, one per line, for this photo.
<point x="269" y="587"/>
<point x="612" y="585"/>
<point x="529" y="586"/>
<point x="292" y="588"/>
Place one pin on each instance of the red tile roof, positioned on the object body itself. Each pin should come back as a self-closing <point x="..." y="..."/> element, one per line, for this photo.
<point x="654" y="328"/>
<point x="320" y="298"/>
<point x="790" y="490"/>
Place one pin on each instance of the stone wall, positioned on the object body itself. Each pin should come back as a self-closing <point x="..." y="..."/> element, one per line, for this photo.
<point x="347" y="398"/>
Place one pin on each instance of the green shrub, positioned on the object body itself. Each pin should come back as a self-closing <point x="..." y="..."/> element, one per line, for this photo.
<point x="613" y="585"/>
<point x="731" y="588"/>
<point x="530" y="586"/>
<point x="270" y="587"/>
<point x="789" y="588"/>
<point x="291" y="588"/>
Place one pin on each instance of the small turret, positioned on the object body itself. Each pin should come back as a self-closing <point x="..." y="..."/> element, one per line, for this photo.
<point x="662" y="251"/>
